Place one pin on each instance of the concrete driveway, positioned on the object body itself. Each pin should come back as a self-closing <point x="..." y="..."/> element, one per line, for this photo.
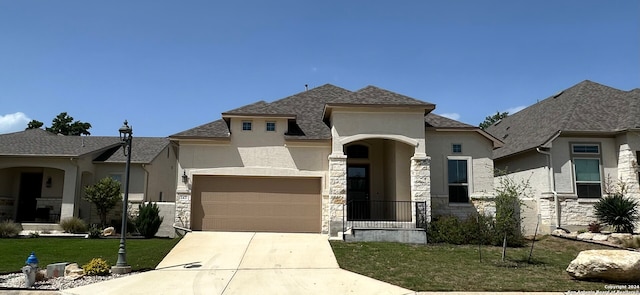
<point x="246" y="263"/>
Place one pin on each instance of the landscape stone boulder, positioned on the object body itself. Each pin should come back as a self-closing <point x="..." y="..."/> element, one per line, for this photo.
<point x="585" y="236"/>
<point x="72" y="271"/>
<point x="620" y="266"/>
<point x="600" y="237"/>
<point x="109" y="231"/>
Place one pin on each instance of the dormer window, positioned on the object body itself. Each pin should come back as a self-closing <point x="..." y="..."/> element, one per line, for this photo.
<point x="271" y="126"/>
<point x="246" y="125"/>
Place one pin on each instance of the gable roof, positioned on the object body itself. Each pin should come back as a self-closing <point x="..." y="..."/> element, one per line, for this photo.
<point x="41" y="143"/>
<point x="586" y="107"/>
<point x="308" y="109"/>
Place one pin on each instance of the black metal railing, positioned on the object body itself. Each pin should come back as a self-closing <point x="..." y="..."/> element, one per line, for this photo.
<point x="384" y="214"/>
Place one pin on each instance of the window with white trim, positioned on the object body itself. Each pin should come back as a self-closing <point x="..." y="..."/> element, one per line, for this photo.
<point x="246" y="125"/>
<point x="458" y="179"/>
<point x="586" y="166"/>
<point x="271" y="126"/>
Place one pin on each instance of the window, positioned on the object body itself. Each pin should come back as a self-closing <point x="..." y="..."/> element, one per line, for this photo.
<point x="271" y="126"/>
<point x="246" y="125"/>
<point x="586" y="149"/>
<point x="458" y="181"/>
<point x="586" y="165"/>
<point x="456" y="148"/>
<point x="588" y="182"/>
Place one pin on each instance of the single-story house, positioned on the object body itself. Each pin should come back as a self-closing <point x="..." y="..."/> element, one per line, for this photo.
<point x="571" y="147"/>
<point x="43" y="175"/>
<point x="328" y="160"/>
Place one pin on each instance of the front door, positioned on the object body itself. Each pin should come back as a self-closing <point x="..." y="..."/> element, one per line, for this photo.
<point x="358" y="206"/>
<point x="30" y="191"/>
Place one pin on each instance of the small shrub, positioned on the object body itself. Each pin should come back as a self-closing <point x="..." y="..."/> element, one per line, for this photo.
<point x="73" y="225"/>
<point x="9" y="229"/>
<point x="94" y="232"/>
<point x="34" y="234"/>
<point x="96" y="267"/>
<point x="148" y="220"/>
<point x="618" y="211"/>
<point x="594" y="227"/>
<point x="472" y="230"/>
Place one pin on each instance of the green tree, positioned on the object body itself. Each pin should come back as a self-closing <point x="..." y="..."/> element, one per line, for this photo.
<point x="490" y="120"/>
<point x="63" y="124"/>
<point x="105" y="195"/>
<point x="34" y="124"/>
<point x="508" y="202"/>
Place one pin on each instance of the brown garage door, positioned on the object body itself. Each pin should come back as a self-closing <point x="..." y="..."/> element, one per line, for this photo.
<point x="271" y="204"/>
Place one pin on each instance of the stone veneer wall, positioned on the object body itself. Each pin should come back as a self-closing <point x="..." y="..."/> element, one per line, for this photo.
<point x="628" y="171"/>
<point x="573" y="212"/>
<point x="337" y="195"/>
<point x="183" y="209"/>
<point x="420" y="183"/>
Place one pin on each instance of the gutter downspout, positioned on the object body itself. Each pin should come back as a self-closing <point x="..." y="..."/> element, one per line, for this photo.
<point x="552" y="185"/>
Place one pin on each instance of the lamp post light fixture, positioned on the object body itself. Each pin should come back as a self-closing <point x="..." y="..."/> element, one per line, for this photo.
<point x="126" y="135"/>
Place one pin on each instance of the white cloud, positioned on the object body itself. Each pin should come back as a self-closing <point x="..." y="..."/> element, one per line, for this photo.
<point x="452" y="116"/>
<point x="514" y="110"/>
<point x="13" y="122"/>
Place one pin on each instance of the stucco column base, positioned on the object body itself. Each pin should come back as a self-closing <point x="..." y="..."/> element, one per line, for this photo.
<point x="337" y="193"/>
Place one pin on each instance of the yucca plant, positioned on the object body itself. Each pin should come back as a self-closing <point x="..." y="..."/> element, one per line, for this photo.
<point x="618" y="211"/>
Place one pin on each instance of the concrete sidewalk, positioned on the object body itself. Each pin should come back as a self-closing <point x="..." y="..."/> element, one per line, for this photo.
<point x="246" y="263"/>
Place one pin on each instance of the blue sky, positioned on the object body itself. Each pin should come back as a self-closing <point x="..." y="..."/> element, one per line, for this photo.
<point x="167" y="66"/>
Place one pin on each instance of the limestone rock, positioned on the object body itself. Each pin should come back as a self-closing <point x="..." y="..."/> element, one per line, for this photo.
<point x="73" y="270"/>
<point x="558" y="232"/>
<point x="621" y="236"/>
<point x="585" y="236"/>
<point x="600" y="237"/>
<point x="109" y="231"/>
<point x="609" y="265"/>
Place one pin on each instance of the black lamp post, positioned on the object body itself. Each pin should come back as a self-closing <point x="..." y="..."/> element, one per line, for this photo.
<point x="126" y="135"/>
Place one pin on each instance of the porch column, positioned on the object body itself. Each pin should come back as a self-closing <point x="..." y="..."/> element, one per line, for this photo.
<point x="627" y="170"/>
<point x="69" y="192"/>
<point x="183" y="202"/>
<point x="420" y="183"/>
<point x="337" y="192"/>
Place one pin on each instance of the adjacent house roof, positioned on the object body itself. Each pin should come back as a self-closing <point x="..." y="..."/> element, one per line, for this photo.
<point x="38" y="142"/>
<point x="586" y="107"/>
<point x="308" y="110"/>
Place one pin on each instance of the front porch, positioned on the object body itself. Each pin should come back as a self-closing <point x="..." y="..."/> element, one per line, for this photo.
<point x="388" y="221"/>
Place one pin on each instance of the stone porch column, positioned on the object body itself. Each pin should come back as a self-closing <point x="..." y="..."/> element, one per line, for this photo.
<point x="183" y="203"/>
<point x="627" y="171"/>
<point x="337" y="193"/>
<point x="421" y="183"/>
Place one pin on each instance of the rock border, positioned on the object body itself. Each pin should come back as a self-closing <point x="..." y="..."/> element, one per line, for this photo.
<point x="604" y="238"/>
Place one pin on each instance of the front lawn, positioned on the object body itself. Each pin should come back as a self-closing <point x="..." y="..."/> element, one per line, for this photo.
<point x="458" y="268"/>
<point x="142" y="254"/>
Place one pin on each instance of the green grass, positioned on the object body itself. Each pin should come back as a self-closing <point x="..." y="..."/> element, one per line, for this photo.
<point x="142" y="254"/>
<point x="458" y="268"/>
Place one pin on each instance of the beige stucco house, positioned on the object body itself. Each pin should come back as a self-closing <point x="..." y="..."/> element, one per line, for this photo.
<point x="42" y="175"/>
<point x="329" y="160"/>
<point x="567" y="146"/>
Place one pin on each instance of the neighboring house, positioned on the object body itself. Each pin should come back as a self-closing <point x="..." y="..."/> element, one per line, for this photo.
<point x="568" y="146"/>
<point x="43" y="175"/>
<point x="328" y="160"/>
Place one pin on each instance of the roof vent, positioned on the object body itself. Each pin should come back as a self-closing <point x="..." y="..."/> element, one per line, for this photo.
<point x="558" y="94"/>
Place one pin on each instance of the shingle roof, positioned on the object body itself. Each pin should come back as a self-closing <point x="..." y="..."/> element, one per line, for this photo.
<point x="143" y="150"/>
<point x="38" y="142"/>
<point x="308" y="108"/>
<point x="584" y="107"/>
<point x="436" y="121"/>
